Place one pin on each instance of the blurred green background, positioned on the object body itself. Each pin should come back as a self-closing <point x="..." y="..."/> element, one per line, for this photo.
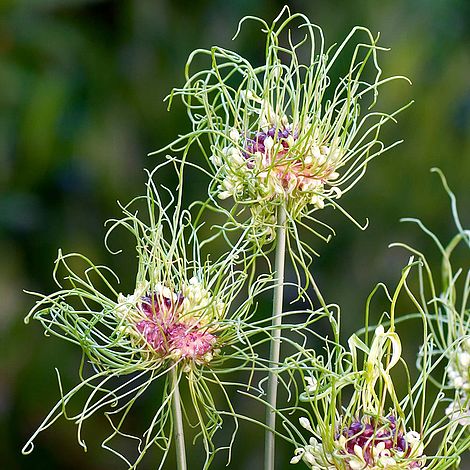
<point x="81" y="90"/>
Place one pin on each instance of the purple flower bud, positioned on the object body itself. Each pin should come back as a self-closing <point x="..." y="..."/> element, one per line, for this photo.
<point x="260" y="137"/>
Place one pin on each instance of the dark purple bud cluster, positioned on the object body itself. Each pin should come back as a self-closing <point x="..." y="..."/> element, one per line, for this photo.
<point x="368" y="435"/>
<point x="364" y="434"/>
<point x="257" y="143"/>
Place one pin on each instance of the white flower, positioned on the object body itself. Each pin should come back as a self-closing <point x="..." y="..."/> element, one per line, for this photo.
<point x="459" y="412"/>
<point x="268" y="144"/>
<point x="413" y="439"/>
<point x="313" y="455"/>
<point x="458" y="370"/>
<point x="216" y="160"/>
<point x="298" y="453"/>
<point x="127" y="304"/>
<point x="236" y="157"/>
<point x="464" y="359"/>
<point x="311" y="384"/>
<point x="234" y="135"/>
<point x="305" y="423"/>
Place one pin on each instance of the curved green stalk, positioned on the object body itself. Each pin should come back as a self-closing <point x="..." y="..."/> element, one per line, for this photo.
<point x="275" y="341"/>
<point x="178" y="421"/>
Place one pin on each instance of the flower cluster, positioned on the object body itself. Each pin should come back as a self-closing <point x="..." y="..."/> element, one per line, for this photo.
<point x="459" y="368"/>
<point x="278" y="162"/>
<point x="458" y="373"/>
<point x="366" y="444"/>
<point x="284" y="141"/>
<point x="289" y="132"/>
<point x="281" y="161"/>
<point x="175" y="325"/>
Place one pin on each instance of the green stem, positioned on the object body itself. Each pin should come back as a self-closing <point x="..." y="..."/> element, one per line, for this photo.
<point x="178" y="421"/>
<point x="269" y="449"/>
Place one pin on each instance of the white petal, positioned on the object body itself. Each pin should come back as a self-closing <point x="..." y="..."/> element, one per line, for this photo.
<point x="268" y="143"/>
<point x="305" y="423"/>
<point x="234" y="134"/>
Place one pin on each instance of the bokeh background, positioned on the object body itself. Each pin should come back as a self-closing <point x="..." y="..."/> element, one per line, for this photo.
<point x="82" y="84"/>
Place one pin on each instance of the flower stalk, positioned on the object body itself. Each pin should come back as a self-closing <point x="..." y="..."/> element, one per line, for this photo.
<point x="278" y="296"/>
<point x="178" y="421"/>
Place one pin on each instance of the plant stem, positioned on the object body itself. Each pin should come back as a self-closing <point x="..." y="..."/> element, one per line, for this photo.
<point x="269" y="448"/>
<point x="178" y="421"/>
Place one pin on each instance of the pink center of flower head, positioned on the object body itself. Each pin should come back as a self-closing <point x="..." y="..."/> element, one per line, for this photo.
<point x="297" y="172"/>
<point x="368" y="435"/>
<point x="167" y="334"/>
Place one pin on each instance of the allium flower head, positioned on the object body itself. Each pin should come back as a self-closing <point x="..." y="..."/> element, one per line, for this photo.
<point x="279" y="161"/>
<point x="458" y="370"/>
<point x="179" y="324"/>
<point x="287" y="131"/>
<point x="358" y="420"/>
<point x="365" y="444"/>
<point x="459" y="410"/>
<point x="444" y="303"/>
<point x="458" y="375"/>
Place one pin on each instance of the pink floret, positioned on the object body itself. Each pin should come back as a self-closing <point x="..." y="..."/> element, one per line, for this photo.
<point x="166" y="335"/>
<point x="153" y="334"/>
<point x="190" y="341"/>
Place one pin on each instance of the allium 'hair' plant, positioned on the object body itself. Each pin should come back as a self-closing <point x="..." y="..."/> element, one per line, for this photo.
<point x="285" y="133"/>
<point x="283" y="138"/>
<point x="357" y="420"/>
<point x="186" y="322"/>
<point x="458" y="371"/>
<point x="444" y="301"/>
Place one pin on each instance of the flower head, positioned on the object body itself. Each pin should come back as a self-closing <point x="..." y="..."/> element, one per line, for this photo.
<point x="445" y="305"/>
<point x="287" y="131"/>
<point x="357" y="419"/>
<point x="365" y="444"/>
<point x="459" y="410"/>
<point x="279" y="161"/>
<point x="458" y="375"/>
<point x="180" y="325"/>
<point x="458" y="369"/>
